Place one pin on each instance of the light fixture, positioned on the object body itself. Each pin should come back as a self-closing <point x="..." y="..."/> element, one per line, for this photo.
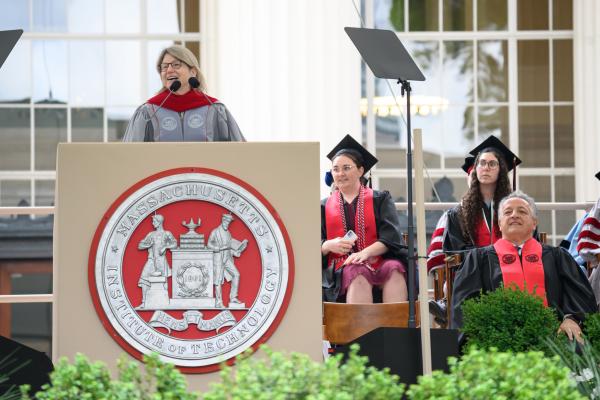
<point x="424" y="106"/>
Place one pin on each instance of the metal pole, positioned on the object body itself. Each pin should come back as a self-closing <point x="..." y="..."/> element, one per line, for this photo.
<point x="405" y="88"/>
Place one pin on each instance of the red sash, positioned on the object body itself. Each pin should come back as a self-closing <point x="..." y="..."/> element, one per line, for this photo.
<point x="364" y="224"/>
<point x="530" y="273"/>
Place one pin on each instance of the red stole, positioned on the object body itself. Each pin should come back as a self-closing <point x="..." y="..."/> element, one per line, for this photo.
<point x="530" y="272"/>
<point x="184" y="102"/>
<point x="483" y="235"/>
<point x="364" y="224"/>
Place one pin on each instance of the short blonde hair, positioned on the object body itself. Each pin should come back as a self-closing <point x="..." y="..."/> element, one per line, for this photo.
<point x="184" y="55"/>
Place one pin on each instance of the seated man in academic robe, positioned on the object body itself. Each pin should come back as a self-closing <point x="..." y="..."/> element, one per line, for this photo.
<point x="518" y="259"/>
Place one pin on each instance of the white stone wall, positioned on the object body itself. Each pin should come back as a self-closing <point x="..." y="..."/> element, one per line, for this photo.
<point x="286" y="69"/>
<point x="586" y="53"/>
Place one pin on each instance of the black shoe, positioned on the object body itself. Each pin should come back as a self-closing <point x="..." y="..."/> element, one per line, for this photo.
<point x="438" y="309"/>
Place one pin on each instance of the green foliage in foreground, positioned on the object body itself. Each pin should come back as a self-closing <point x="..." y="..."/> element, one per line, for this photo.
<point x="591" y="327"/>
<point x="91" y="380"/>
<point x="297" y="376"/>
<point x="489" y="374"/>
<point x="584" y="365"/>
<point x="509" y="320"/>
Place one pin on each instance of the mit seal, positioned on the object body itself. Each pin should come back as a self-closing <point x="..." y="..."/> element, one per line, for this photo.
<point x="192" y="264"/>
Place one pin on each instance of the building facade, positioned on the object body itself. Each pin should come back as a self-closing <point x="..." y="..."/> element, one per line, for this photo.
<point x="523" y="70"/>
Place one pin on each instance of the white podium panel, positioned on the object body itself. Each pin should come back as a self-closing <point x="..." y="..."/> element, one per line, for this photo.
<point x="195" y="251"/>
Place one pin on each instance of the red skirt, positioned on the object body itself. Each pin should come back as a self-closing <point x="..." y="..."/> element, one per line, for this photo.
<point x="375" y="278"/>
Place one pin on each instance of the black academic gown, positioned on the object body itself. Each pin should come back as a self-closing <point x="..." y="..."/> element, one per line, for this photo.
<point x="388" y="233"/>
<point x="454" y="241"/>
<point x="567" y="289"/>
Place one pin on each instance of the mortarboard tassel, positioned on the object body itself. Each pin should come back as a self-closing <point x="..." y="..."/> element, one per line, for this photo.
<point x="514" y="174"/>
<point x="328" y="178"/>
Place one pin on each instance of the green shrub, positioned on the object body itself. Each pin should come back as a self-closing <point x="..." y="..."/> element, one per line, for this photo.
<point x="509" y="320"/>
<point x="86" y="380"/>
<point x="591" y="327"/>
<point x="297" y="376"/>
<point x="490" y="374"/>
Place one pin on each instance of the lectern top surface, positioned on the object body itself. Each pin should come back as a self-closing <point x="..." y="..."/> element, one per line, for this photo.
<point x="384" y="54"/>
<point x="8" y="39"/>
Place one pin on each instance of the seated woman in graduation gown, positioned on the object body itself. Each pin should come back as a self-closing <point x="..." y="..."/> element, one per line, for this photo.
<point x="181" y="111"/>
<point x="361" y="244"/>
<point x="549" y="272"/>
<point x="474" y="222"/>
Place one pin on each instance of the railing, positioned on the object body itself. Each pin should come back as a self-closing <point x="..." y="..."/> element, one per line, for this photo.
<point x="541" y="206"/>
<point x="48" y="298"/>
<point x="26" y="210"/>
<point x="26" y="298"/>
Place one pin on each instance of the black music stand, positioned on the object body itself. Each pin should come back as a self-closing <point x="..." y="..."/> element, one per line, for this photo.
<point x="23" y="365"/>
<point x="388" y="59"/>
<point x="399" y="349"/>
<point x="8" y="39"/>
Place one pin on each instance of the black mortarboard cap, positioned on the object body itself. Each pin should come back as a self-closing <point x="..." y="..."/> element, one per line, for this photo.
<point x="468" y="164"/>
<point x="348" y="142"/>
<point x="510" y="158"/>
<point x="598" y="175"/>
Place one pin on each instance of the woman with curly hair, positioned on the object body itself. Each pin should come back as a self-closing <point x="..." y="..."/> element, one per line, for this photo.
<point x="474" y="222"/>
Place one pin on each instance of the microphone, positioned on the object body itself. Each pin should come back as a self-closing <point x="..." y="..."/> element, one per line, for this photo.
<point x="195" y="83"/>
<point x="172" y="89"/>
<point x="174" y="86"/>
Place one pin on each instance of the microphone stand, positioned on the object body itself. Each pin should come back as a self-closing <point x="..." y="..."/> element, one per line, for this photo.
<point x="172" y="89"/>
<point x="405" y="88"/>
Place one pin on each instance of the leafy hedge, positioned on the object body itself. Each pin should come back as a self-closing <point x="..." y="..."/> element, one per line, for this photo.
<point x="509" y="320"/>
<point x="591" y="327"/>
<point x="297" y="376"/>
<point x="91" y="380"/>
<point x="489" y="374"/>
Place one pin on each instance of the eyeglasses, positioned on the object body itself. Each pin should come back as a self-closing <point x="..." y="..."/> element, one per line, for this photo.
<point x="492" y="164"/>
<point x="345" y="168"/>
<point x="165" y="66"/>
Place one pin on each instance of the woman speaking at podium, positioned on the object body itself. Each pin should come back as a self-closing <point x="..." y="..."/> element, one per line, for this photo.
<point x="182" y="111"/>
<point x="361" y="243"/>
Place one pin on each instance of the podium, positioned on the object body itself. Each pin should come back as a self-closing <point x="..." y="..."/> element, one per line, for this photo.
<point x="148" y="235"/>
<point x="399" y="349"/>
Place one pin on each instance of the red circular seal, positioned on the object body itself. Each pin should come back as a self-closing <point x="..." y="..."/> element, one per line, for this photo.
<point x="532" y="258"/>
<point x="509" y="258"/>
<point x="193" y="264"/>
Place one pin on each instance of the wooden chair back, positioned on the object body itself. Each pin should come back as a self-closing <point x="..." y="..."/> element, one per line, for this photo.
<point x="439" y="278"/>
<point x="344" y="323"/>
<point x="452" y="262"/>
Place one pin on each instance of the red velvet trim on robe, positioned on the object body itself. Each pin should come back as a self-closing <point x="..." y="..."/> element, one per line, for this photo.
<point x="183" y="102"/>
<point x="482" y="234"/>
<point x="335" y="226"/>
<point x="529" y="272"/>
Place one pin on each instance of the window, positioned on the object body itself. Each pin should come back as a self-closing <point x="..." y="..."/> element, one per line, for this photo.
<point x="490" y="69"/>
<point x="77" y="75"/>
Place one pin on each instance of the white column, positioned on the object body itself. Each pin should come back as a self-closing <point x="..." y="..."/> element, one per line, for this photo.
<point x="286" y="69"/>
<point x="586" y="54"/>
